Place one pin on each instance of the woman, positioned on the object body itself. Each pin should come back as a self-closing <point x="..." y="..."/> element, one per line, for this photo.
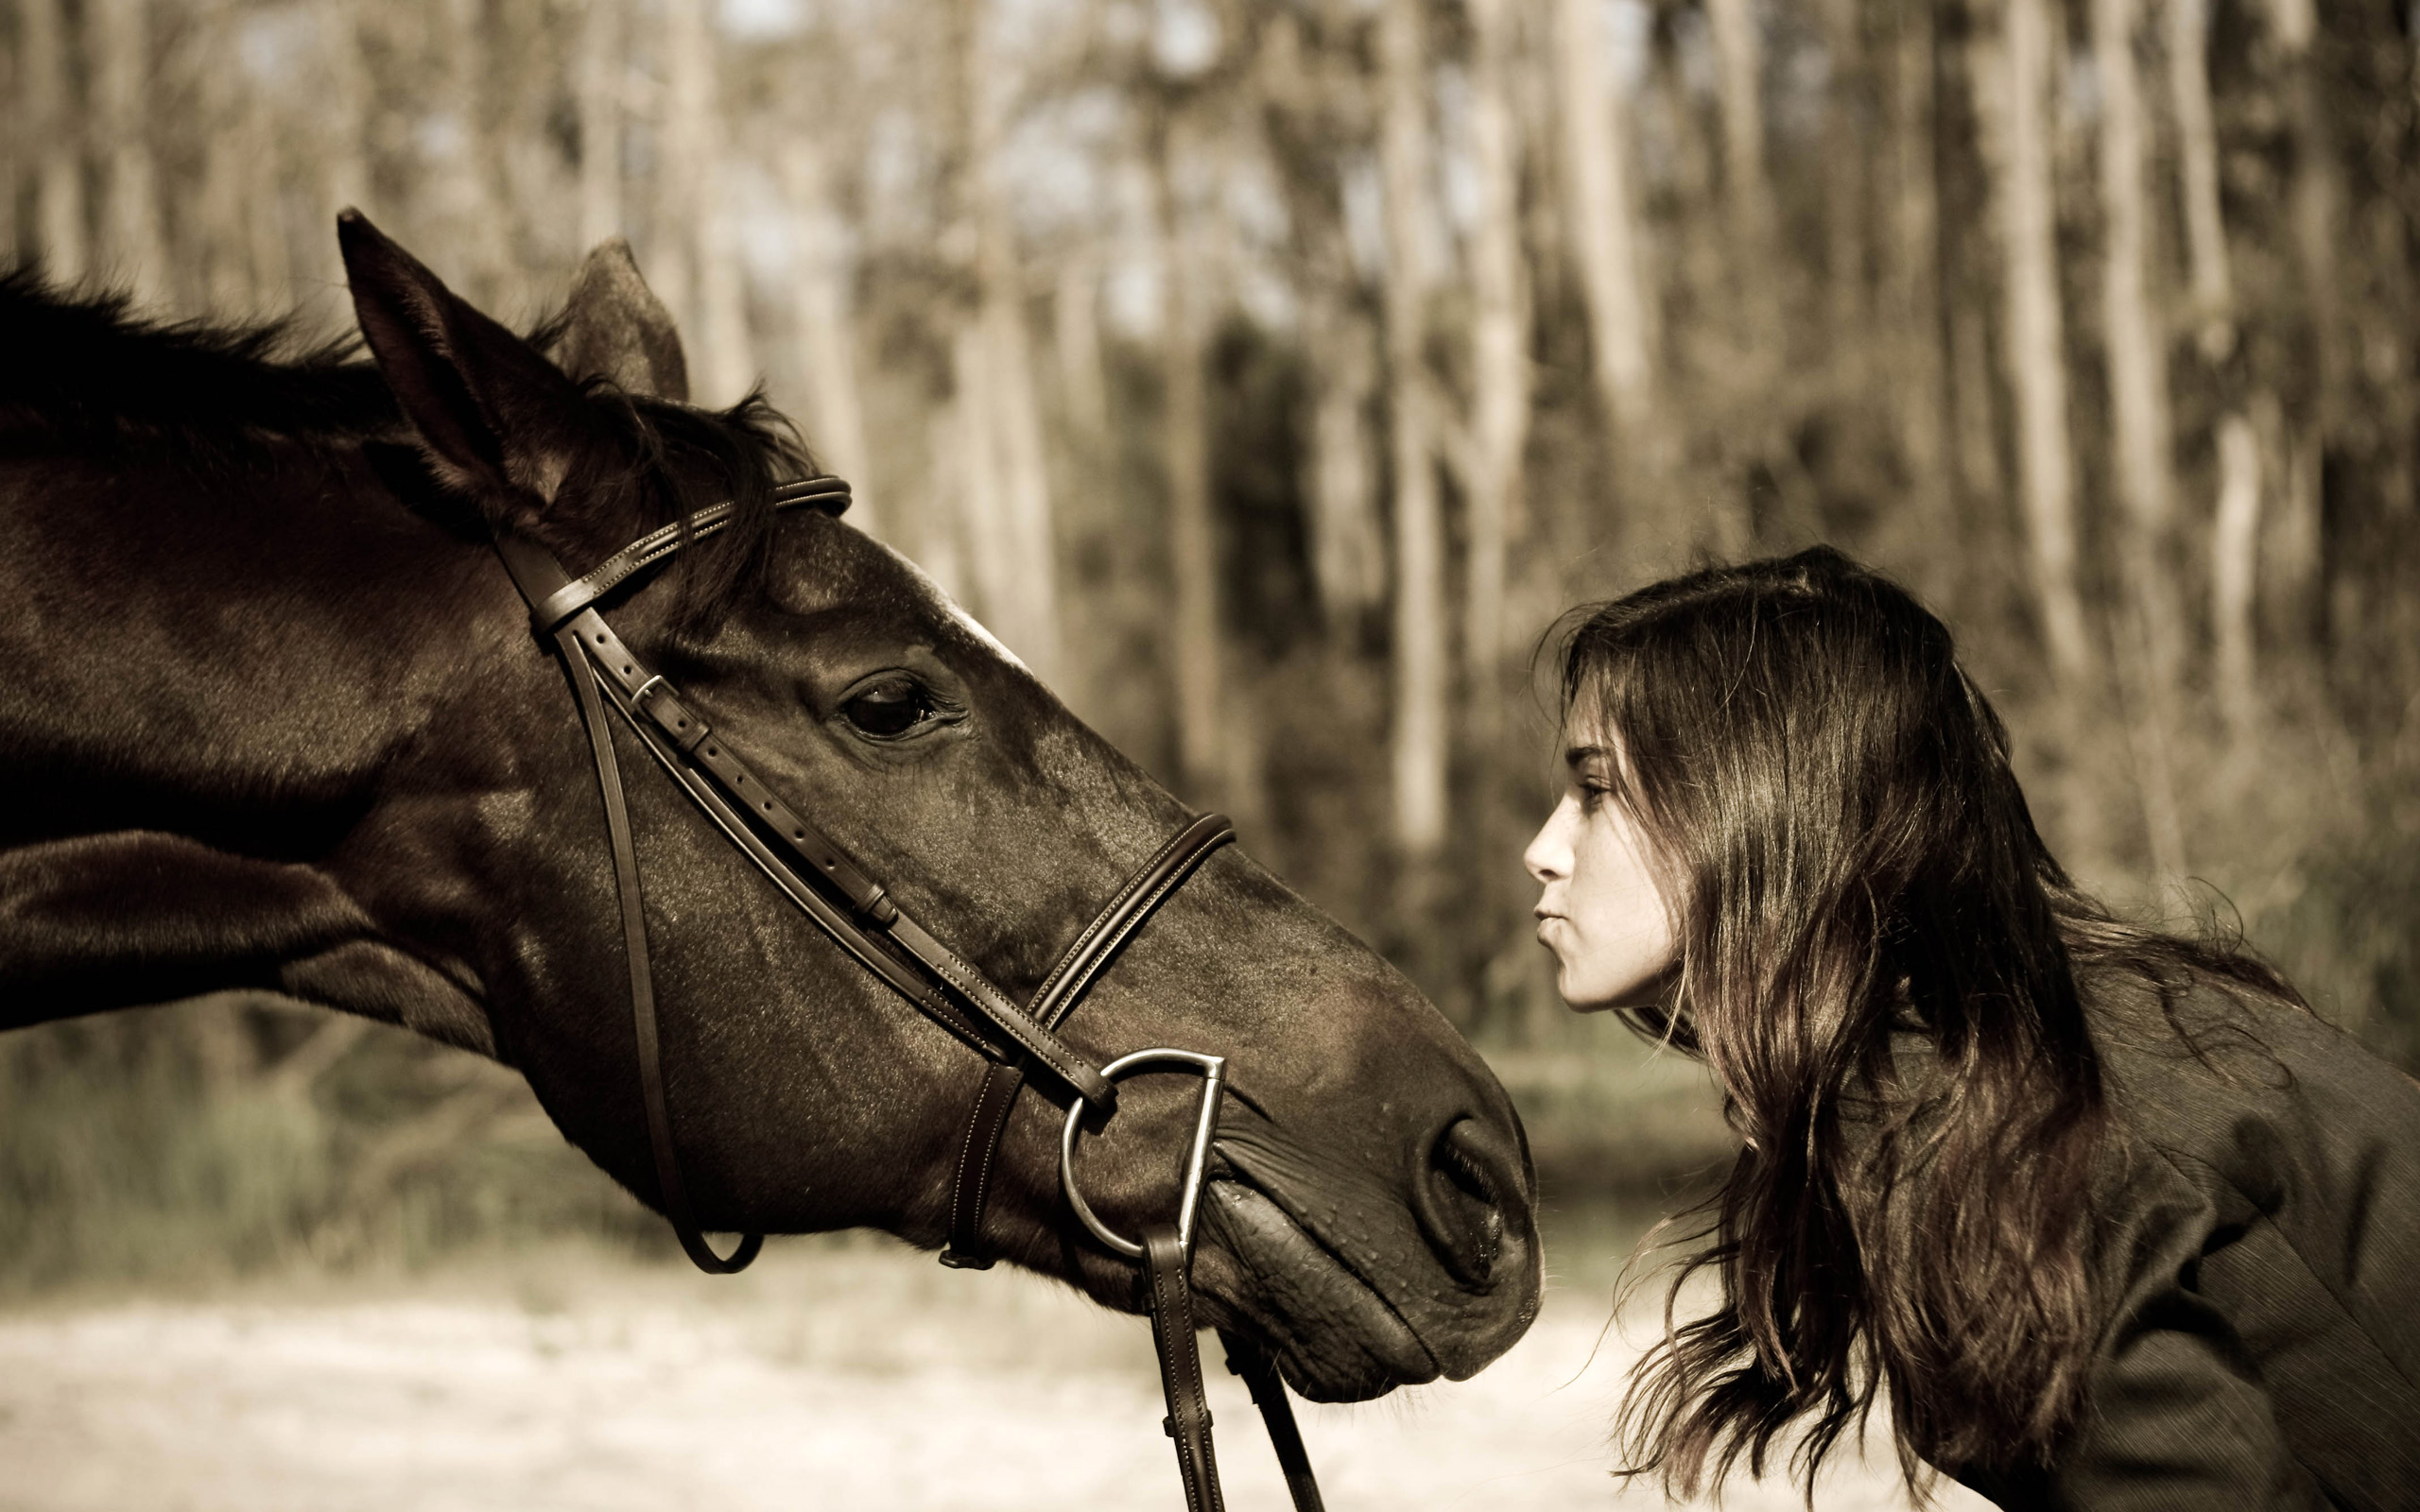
<point x="2108" y="1217"/>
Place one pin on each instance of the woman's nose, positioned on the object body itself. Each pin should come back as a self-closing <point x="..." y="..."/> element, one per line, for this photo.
<point x="1548" y="856"/>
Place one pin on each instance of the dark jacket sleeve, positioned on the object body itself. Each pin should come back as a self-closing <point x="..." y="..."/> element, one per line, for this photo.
<point x="2179" y="1417"/>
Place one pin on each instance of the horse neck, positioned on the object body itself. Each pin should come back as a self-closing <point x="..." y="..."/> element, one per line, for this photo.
<point x="214" y="673"/>
<point x="196" y="649"/>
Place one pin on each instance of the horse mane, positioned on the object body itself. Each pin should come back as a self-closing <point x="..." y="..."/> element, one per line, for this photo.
<point x="92" y="377"/>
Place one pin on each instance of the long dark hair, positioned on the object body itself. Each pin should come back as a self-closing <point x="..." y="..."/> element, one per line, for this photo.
<point x="1879" y="962"/>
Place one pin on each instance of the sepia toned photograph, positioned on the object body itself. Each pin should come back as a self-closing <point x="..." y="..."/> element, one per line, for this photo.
<point x="1494" y="755"/>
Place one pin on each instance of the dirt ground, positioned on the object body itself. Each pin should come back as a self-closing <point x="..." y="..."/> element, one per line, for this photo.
<point x="844" y="1374"/>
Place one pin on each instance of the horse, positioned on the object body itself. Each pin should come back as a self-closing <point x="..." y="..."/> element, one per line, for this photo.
<point x="275" y="720"/>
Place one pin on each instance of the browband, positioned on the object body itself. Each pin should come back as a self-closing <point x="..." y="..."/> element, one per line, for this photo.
<point x="829" y="494"/>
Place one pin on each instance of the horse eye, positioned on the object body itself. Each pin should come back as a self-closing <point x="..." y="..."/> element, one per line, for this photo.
<point x="889" y="708"/>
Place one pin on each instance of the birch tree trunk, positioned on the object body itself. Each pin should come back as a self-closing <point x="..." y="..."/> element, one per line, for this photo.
<point x="226" y="203"/>
<point x="2235" y="534"/>
<point x="601" y="67"/>
<point x="1419" y="531"/>
<point x="2154" y="634"/>
<point x="681" y="150"/>
<point x="1914" y="272"/>
<point x="1303" y="87"/>
<point x="695" y="221"/>
<point x="2235" y="542"/>
<point x="1348" y="544"/>
<point x="55" y="139"/>
<point x="462" y="192"/>
<point x="2313" y="212"/>
<point x="133" y="248"/>
<point x="1500" y="391"/>
<point x="1606" y="240"/>
<point x="12" y="150"/>
<point x="1016" y="583"/>
<point x="1075" y="304"/>
<point x="2013" y="91"/>
<point x="824" y="313"/>
<point x="341" y="162"/>
<point x="1186" y="452"/>
<point x="2136" y="352"/>
<point x="1847" y="215"/>
<point x="1738" y="74"/>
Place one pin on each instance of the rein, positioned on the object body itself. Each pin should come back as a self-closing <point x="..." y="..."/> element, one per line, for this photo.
<point x="859" y="915"/>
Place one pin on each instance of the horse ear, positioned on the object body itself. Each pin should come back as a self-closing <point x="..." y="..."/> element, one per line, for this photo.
<point x="497" y="420"/>
<point x="616" y="328"/>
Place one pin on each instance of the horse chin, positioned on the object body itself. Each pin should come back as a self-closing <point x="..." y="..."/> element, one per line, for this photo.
<point x="1334" y="1337"/>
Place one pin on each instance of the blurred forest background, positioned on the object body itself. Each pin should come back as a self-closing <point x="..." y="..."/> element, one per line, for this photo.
<point x="1270" y="376"/>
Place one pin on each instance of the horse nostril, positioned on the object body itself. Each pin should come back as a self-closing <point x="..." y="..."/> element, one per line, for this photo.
<point x="1456" y="1198"/>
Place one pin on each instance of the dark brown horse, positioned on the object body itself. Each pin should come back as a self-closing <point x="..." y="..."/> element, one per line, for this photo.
<point x="274" y="718"/>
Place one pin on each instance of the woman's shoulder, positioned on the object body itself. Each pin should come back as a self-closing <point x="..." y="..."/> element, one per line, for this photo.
<point x="2258" y="1217"/>
<point x="2198" y="1070"/>
<point x="2244" y="1126"/>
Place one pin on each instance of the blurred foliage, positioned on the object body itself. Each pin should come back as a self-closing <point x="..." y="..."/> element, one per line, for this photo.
<point x="126" y="1158"/>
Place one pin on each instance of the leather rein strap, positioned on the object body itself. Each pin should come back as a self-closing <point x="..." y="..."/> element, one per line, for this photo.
<point x="1167" y="1274"/>
<point x="858" y="913"/>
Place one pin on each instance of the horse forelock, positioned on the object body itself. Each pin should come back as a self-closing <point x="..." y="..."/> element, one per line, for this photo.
<point x="670" y="463"/>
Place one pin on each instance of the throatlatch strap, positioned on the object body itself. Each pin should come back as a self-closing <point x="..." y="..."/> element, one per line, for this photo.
<point x="1172" y="1330"/>
<point x="626" y="885"/>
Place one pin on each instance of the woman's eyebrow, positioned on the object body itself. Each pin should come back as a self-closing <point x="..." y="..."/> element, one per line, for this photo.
<point x="1579" y="755"/>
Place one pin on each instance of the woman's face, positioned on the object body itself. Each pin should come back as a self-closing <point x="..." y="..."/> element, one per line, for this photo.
<point x="1602" y="912"/>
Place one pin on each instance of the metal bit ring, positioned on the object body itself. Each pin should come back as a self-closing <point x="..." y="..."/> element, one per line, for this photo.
<point x="1212" y="1070"/>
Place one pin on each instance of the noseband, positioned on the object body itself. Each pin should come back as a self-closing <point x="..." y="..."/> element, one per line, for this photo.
<point x="858" y="913"/>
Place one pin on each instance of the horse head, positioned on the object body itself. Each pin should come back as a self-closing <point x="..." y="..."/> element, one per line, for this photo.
<point x="1369" y="1217"/>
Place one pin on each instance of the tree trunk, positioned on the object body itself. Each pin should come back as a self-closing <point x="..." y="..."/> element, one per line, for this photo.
<point x="703" y="271"/>
<point x="1605" y="235"/>
<point x="1913" y="280"/>
<point x="2234" y="540"/>
<point x="219" y="251"/>
<point x="1499" y="352"/>
<point x="466" y="204"/>
<point x="1846" y="154"/>
<point x="134" y="249"/>
<point x="2013" y="91"/>
<point x="601" y="68"/>
<point x="682" y="150"/>
<point x="12" y="150"/>
<point x="1420" y="554"/>
<point x="1738" y="75"/>
<point x="55" y="139"/>
<point x="340" y="159"/>
<point x="1016" y="582"/>
<point x="1193" y="558"/>
<point x="2235" y="534"/>
<point x="824" y="313"/>
<point x="1075" y="305"/>
<point x="2137" y="362"/>
<point x="2313" y="212"/>
<point x="1348" y="542"/>
<point x="2197" y="153"/>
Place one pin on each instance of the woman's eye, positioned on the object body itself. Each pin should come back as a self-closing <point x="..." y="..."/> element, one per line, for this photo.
<point x="889" y="710"/>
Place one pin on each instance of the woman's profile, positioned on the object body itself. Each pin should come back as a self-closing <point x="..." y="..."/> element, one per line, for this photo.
<point x="2105" y="1216"/>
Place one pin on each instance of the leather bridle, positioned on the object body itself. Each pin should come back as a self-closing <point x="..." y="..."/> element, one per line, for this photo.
<point x="858" y="913"/>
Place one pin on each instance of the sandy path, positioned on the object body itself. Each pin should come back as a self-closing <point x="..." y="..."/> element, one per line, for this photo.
<point x="834" y="1375"/>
